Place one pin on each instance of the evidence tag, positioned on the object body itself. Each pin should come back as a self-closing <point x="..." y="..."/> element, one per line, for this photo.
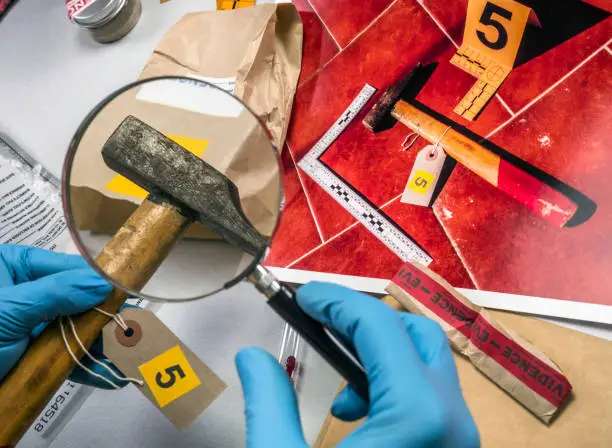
<point x="176" y="381"/>
<point x="424" y="176"/>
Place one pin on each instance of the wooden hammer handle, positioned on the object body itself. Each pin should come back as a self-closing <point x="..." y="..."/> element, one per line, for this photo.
<point x="540" y="198"/>
<point x="131" y="257"/>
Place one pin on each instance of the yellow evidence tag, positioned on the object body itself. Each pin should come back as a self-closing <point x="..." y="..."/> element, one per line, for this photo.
<point x="123" y="186"/>
<point x="175" y="380"/>
<point x="493" y="33"/>
<point x="424" y="176"/>
<point x="169" y="376"/>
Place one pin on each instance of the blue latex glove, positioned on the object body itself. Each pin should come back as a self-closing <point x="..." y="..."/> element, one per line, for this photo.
<point x="37" y="286"/>
<point x="415" y="398"/>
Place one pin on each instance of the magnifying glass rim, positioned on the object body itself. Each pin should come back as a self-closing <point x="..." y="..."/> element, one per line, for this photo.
<point x="66" y="172"/>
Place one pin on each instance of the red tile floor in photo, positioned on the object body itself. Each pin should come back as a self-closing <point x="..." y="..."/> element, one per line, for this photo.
<point x="553" y="112"/>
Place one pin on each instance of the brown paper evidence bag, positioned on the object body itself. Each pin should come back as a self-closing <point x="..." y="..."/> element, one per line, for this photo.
<point x="586" y="420"/>
<point x="257" y="53"/>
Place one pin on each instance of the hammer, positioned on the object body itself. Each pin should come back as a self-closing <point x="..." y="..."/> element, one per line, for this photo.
<point x="540" y="198"/>
<point x="182" y="189"/>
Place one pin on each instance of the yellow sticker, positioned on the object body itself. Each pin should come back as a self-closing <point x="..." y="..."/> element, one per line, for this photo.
<point x="421" y="181"/>
<point x="234" y="4"/>
<point x="121" y="185"/>
<point x="169" y="376"/>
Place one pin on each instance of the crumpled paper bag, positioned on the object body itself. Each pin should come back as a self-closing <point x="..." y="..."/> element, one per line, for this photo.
<point x="254" y="53"/>
<point x="257" y="51"/>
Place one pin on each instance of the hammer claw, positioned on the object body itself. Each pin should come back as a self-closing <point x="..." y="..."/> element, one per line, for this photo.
<point x="380" y="115"/>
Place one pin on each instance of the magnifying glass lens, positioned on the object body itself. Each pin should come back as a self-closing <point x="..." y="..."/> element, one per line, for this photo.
<point x="172" y="188"/>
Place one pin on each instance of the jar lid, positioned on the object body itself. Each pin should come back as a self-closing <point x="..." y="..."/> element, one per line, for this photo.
<point x="98" y="13"/>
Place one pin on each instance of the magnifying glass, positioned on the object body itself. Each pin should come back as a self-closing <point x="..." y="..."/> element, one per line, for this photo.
<point x="172" y="188"/>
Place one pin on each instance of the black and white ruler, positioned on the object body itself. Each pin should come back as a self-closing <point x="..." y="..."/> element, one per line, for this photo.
<point x="379" y="224"/>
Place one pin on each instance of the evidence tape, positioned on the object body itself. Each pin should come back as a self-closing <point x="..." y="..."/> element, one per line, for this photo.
<point x="532" y="371"/>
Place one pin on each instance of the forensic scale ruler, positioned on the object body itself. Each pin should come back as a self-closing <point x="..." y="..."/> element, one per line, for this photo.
<point x="389" y="233"/>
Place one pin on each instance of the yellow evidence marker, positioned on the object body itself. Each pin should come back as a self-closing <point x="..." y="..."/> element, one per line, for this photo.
<point x="492" y="36"/>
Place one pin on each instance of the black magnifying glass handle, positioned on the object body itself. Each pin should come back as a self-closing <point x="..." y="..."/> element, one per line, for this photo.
<point x="324" y="340"/>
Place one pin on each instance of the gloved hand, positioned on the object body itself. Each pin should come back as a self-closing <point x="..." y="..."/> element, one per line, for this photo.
<point x="37" y="286"/>
<point x="415" y="398"/>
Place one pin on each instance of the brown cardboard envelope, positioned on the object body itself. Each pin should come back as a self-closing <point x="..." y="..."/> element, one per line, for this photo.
<point x="586" y="421"/>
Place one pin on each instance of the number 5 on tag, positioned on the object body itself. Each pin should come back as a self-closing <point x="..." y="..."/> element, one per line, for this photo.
<point x="493" y="33"/>
<point x="424" y="176"/>
<point x="176" y="380"/>
<point x="169" y="376"/>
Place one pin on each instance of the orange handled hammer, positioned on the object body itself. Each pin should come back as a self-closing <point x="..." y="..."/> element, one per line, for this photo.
<point x="540" y="198"/>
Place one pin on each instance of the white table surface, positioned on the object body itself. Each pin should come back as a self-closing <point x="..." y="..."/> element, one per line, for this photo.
<point x="51" y="74"/>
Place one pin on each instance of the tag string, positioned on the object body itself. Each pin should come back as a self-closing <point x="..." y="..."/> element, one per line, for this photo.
<point x="116" y="317"/>
<point x="437" y="144"/>
<point x="415" y="136"/>
<point x="121" y="323"/>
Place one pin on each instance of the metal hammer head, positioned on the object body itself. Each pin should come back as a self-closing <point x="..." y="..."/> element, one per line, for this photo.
<point x="379" y="117"/>
<point x="164" y="168"/>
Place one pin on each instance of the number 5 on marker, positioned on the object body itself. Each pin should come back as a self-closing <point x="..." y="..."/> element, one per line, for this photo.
<point x="495" y="28"/>
<point x="493" y="33"/>
<point x="421" y="181"/>
<point x="169" y="376"/>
